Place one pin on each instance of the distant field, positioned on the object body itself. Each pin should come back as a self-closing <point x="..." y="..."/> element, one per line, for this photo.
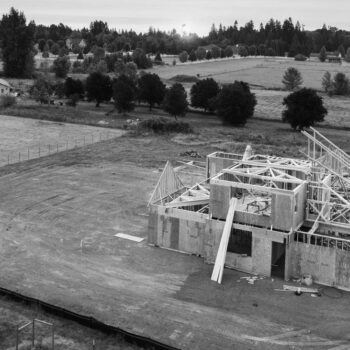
<point x="265" y="72"/>
<point x="270" y="106"/>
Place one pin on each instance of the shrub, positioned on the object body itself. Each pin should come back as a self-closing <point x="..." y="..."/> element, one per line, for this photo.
<point x="235" y="103"/>
<point x="183" y="78"/>
<point x="98" y="87"/>
<point x="304" y="108"/>
<point x="292" y="79"/>
<point x="183" y="56"/>
<point x="300" y="57"/>
<point x="163" y="125"/>
<point x="215" y="51"/>
<point x="192" y="56"/>
<point x="7" y="101"/>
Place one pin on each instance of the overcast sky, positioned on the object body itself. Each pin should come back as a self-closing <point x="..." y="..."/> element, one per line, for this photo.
<point x="197" y="15"/>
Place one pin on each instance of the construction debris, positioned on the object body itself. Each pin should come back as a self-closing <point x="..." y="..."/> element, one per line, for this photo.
<point x="300" y="289"/>
<point x="192" y="154"/>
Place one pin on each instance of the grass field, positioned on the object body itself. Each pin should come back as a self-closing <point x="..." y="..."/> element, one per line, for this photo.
<point x="24" y="138"/>
<point x="265" y="72"/>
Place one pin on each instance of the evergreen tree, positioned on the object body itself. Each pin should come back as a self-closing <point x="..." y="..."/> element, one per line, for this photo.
<point x="192" y="57"/>
<point x="61" y="66"/>
<point x="292" y="79"/>
<point x="17" y="45"/>
<point x="323" y="54"/>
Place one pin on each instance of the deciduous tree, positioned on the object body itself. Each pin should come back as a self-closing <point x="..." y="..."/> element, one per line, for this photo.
<point x="203" y="92"/>
<point x="124" y="93"/>
<point x="175" y="101"/>
<point x="303" y="109"/>
<point x="61" y="66"/>
<point x="235" y="103"/>
<point x="98" y="87"/>
<point x="151" y="89"/>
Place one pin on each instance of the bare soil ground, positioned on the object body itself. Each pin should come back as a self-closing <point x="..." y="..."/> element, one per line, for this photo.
<point x="59" y="215"/>
<point x="265" y="72"/>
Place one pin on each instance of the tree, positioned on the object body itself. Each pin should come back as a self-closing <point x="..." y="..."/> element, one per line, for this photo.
<point x="98" y="87"/>
<point x="208" y="56"/>
<point x="17" y="45"/>
<point x="242" y="51"/>
<point x="124" y="93"/>
<point x="175" y="101"/>
<point x="347" y="55"/>
<point x="183" y="56"/>
<point x="201" y="53"/>
<point x="42" y="89"/>
<point x="41" y="44"/>
<point x="151" y="89"/>
<point x="303" y="109"/>
<point x="73" y="87"/>
<point x="192" y="57"/>
<point x="203" y="92"/>
<point x="141" y="60"/>
<point x="340" y="84"/>
<point x="61" y="66"/>
<point x="327" y="82"/>
<point x="235" y="103"/>
<point x="323" y="54"/>
<point x="158" y="58"/>
<point x="55" y="49"/>
<point x="292" y="79"/>
<point x="215" y="51"/>
<point x="228" y="51"/>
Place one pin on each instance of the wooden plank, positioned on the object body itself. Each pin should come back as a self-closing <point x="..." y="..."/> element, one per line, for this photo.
<point x="302" y="289"/>
<point x="221" y="255"/>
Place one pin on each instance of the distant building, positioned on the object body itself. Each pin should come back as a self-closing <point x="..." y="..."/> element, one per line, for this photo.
<point x="334" y="59"/>
<point x="5" y="87"/>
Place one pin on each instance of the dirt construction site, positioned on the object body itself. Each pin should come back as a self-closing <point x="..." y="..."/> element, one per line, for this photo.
<point x="59" y="217"/>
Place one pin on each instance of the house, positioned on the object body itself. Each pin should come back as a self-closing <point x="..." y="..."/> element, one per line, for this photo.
<point x="5" y="87"/>
<point x="262" y="214"/>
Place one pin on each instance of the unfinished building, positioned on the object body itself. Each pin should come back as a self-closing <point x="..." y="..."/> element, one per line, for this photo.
<point x="262" y="214"/>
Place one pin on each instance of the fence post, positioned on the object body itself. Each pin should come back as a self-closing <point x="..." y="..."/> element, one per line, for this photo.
<point x="8" y="159"/>
<point x="93" y="344"/>
<point x="84" y="140"/>
<point x="33" y="333"/>
<point x="49" y="149"/>
<point x="19" y="156"/>
<point x="57" y="148"/>
<point x="28" y="153"/>
<point x="66" y="145"/>
<point x="39" y="150"/>
<point x="17" y="338"/>
<point x="92" y="138"/>
<point x="53" y="338"/>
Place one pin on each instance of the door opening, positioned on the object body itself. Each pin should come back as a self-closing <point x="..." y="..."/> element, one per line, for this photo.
<point x="278" y="259"/>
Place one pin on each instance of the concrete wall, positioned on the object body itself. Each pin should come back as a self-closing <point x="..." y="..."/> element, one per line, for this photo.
<point x="216" y="164"/>
<point x="328" y="266"/>
<point x="282" y="210"/>
<point x="197" y="234"/>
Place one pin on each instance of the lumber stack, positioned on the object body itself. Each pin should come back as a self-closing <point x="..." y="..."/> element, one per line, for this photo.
<point x="221" y="255"/>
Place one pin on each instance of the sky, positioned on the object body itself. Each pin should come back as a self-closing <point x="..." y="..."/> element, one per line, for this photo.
<point x="183" y="15"/>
